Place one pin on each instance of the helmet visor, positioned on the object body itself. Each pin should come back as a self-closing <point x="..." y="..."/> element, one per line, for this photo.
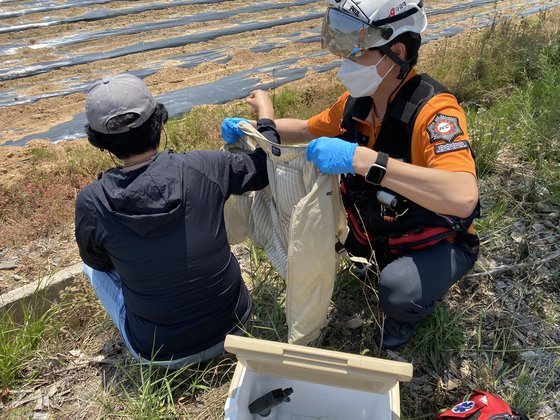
<point x="345" y="36"/>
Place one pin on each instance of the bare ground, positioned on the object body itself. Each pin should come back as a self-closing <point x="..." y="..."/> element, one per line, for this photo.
<point x="81" y="380"/>
<point x="32" y="119"/>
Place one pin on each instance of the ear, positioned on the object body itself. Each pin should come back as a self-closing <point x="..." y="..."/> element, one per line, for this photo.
<point x="399" y="49"/>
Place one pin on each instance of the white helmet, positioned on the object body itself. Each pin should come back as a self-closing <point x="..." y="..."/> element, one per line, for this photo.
<point x="391" y="17"/>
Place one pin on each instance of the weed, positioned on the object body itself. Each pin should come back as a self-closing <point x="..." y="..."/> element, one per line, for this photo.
<point x="151" y="393"/>
<point x="505" y="55"/>
<point x="200" y="128"/>
<point x="39" y="153"/>
<point x="148" y="392"/>
<point x="268" y="291"/>
<point x="487" y="139"/>
<point x="84" y="163"/>
<point x="439" y="335"/>
<point x="529" y="389"/>
<point x="495" y="217"/>
<point x="20" y="339"/>
<point x="285" y="101"/>
<point x="508" y="75"/>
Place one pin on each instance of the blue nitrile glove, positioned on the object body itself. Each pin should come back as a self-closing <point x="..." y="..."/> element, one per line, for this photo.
<point x="230" y="131"/>
<point x="331" y="155"/>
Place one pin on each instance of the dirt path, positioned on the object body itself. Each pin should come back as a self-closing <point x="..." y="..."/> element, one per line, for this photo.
<point x="175" y="45"/>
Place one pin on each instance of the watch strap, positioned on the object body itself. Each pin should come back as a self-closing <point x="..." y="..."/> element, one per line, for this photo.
<point x="382" y="159"/>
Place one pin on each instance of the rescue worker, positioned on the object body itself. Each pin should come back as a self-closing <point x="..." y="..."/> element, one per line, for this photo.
<point x="151" y="232"/>
<point x="400" y="142"/>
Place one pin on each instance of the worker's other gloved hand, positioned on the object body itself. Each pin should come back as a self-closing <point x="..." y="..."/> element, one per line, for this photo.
<point x="331" y="155"/>
<point x="230" y="131"/>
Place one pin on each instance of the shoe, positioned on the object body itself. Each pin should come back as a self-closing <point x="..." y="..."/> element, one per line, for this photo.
<point x="395" y="334"/>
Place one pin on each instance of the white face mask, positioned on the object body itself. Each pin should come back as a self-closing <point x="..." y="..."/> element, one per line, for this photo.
<point x="360" y="80"/>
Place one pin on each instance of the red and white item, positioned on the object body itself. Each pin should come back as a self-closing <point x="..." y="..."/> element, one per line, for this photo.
<point x="481" y="406"/>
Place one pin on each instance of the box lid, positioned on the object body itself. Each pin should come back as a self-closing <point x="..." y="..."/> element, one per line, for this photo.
<point x="320" y="366"/>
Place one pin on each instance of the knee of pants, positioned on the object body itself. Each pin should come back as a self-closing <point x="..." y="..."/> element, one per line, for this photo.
<point x="400" y="292"/>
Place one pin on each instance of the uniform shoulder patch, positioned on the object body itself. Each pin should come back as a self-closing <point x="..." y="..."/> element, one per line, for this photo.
<point x="451" y="146"/>
<point x="444" y="127"/>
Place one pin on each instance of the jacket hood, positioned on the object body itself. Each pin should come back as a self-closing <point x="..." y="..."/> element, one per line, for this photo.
<point x="147" y="200"/>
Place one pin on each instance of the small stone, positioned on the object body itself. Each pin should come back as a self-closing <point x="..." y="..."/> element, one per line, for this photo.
<point x="465" y="369"/>
<point x="3" y="170"/>
<point x="427" y="389"/>
<point x="451" y="383"/>
<point x="76" y="353"/>
<point x="10" y="155"/>
<point x="8" y="264"/>
<point x="518" y="237"/>
<point x="537" y="227"/>
<point x="551" y="240"/>
<point x="354" y="323"/>
<point x="486" y="263"/>
<point x="543" y="191"/>
<point x="519" y="225"/>
<point x="393" y="355"/>
<point x="530" y="354"/>
<point x="39" y="403"/>
<point x="52" y="390"/>
<point x="500" y="285"/>
<point x="17" y="277"/>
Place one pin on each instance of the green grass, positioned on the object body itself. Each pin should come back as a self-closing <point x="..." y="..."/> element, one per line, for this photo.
<point x="304" y="102"/>
<point x="487" y="139"/>
<point x="532" y="121"/>
<point x="151" y="394"/>
<point x="146" y="392"/>
<point x="268" y="292"/>
<point x="438" y="336"/>
<point x="495" y="217"/>
<point x="527" y="394"/>
<point x="23" y="332"/>
<point x="509" y="81"/>
<point x="42" y="152"/>
<point x="499" y="57"/>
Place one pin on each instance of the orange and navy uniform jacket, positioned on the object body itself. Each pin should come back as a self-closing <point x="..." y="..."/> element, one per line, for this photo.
<point x="431" y="129"/>
<point x="439" y="136"/>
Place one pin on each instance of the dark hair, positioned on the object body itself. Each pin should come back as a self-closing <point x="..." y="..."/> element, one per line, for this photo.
<point x="412" y="42"/>
<point x="136" y="141"/>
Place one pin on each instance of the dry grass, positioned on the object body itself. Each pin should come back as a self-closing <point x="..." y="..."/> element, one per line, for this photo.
<point x="497" y="331"/>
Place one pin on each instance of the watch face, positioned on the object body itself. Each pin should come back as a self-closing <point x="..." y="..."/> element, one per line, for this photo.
<point x="375" y="174"/>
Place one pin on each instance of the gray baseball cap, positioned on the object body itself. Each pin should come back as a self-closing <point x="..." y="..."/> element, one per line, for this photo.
<point x="117" y="95"/>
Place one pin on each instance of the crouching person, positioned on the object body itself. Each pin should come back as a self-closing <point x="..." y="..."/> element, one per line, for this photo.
<point x="151" y="232"/>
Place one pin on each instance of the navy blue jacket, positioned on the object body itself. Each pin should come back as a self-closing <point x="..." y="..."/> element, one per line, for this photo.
<point x="161" y="227"/>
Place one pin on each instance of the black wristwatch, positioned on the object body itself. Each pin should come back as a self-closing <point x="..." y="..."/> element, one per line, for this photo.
<point x="376" y="172"/>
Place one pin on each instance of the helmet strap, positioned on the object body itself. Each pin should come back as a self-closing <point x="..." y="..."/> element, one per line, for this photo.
<point x="403" y="64"/>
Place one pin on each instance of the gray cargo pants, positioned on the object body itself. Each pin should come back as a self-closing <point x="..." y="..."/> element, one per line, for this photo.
<point x="410" y="285"/>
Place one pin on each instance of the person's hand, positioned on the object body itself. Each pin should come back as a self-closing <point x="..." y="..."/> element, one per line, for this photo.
<point x="230" y="131"/>
<point x="331" y="155"/>
<point x="261" y="104"/>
